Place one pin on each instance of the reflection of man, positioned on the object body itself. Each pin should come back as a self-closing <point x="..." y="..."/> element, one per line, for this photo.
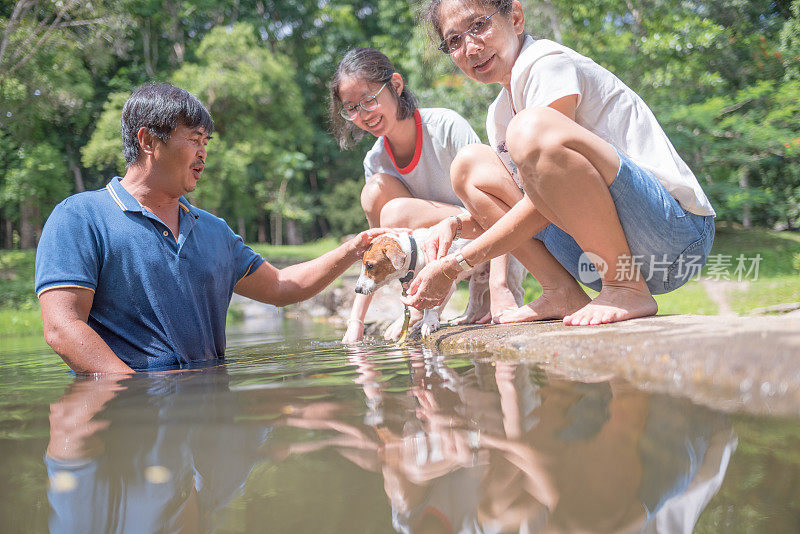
<point x="114" y="469"/>
<point x="132" y="276"/>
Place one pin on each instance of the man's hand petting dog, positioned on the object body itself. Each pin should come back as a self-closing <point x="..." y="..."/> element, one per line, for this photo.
<point x="362" y="241"/>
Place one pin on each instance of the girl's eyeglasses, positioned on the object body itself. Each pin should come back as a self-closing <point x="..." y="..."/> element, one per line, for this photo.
<point x="478" y="28"/>
<point x="368" y="103"/>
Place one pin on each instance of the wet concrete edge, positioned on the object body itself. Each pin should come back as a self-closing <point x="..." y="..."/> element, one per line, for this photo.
<point x="735" y="364"/>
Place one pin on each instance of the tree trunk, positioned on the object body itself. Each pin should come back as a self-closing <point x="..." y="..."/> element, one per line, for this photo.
<point x="28" y="223"/>
<point x="80" y="187"/>
<point x="277" y="228"/>
<point x="8" y="231"/>
<point x="235" y="11"/>
<point x="242" y="225"/>
<point x="744" y="184"/>
<point x="262" y="228"/>
<point x="149" y="52"/>
<point x="176" y="36"/>
<point x="323" y="225"/>
<point x="293" y="236"/>
<point x="321" y="222"/>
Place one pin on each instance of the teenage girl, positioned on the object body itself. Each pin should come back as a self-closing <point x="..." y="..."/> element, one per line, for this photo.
<point x="408" y="168"/>
<point x="603" y="196"/>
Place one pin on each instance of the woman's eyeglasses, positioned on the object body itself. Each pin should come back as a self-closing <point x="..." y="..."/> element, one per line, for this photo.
<point x="478" y="28"/>
<point x="368" y="103"/>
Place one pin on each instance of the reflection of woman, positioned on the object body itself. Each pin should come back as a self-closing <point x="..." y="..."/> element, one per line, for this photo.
<point x="408" y="168"/>
<point x="607" y="458"/>
<point x="133" y="455"/>
<point x="493" y="450"/>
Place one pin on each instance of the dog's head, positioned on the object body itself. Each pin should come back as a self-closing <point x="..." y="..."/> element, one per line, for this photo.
<point x="382" y="262"/>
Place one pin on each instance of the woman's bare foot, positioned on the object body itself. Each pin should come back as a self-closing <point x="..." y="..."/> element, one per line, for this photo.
<point x="616" y="302"/>
<point x="552" y="304"/>
<point x="502" y="299"/>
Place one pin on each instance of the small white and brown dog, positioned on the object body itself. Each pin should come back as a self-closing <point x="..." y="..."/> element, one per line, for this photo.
<point x="396" y="256"/>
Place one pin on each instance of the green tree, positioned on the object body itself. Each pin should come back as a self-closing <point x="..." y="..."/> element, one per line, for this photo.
<point x="49" y="53"/>
<point x="34" y="185"/>
<point x="261" y="135"/>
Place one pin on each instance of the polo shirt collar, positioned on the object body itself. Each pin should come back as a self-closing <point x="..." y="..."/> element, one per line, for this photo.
<point x="127" y="202"/>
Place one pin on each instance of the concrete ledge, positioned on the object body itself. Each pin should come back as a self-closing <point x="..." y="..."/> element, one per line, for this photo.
<point x="736" y="364"/>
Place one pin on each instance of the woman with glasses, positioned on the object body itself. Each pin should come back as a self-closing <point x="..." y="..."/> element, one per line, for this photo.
<point x="603" y="196"/>
<point x="408" y="168"/>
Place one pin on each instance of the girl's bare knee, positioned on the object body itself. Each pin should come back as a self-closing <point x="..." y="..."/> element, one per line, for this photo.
<point x="371" y="202"/>
<point x="370" y="194"/>
<point x="377" y="192"/>
<point x="398" y="212"/>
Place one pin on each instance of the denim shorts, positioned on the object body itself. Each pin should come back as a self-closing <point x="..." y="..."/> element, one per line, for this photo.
<point x="667" y="243"/>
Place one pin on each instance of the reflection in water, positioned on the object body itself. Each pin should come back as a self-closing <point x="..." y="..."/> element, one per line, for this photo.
<point x="458" y="447"/>
<point x="126" y="455"/>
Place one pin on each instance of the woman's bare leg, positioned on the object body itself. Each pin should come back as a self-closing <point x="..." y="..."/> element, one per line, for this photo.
<point x="567" y="170"/>
<point x="484" y="185"/>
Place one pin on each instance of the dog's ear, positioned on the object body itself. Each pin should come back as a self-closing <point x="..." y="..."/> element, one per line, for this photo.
<point x="395" y="255"/>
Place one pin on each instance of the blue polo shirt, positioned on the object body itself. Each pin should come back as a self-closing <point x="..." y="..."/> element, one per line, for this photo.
<point x="157" y="302"/>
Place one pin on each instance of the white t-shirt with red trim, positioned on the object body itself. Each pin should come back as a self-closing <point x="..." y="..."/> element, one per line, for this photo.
<point x="546" y="71"/>
<point x="441" y="133"/>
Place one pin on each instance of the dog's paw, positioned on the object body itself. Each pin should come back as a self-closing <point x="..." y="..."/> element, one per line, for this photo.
<point x="429" y="326"/>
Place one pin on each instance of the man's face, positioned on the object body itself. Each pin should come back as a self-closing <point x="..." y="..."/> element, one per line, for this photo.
<point x="181" y="159"/>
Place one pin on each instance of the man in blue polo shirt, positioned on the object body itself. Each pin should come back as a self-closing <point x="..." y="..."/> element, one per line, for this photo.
<point x="133" y="277"/>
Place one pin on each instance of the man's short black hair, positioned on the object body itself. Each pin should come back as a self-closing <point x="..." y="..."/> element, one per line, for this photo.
<point x="160" y="107"/>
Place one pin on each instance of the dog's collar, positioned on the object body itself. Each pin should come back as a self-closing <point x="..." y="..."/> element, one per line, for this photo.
<point x="412" y="265"/>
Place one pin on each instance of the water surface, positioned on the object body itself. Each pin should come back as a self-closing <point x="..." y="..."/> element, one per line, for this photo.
<point x="298" y="434"/>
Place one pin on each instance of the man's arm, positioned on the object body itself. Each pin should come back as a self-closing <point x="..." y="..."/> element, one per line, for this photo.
<point x="304" y="280"/>
<point x="65" y="315"/>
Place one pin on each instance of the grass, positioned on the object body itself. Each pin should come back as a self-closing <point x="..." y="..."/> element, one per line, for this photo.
<point x="303" y="252"/>
<point x="778" y="280"/>
<point x="691" y="298"/>
<point x="767" y="291"/>
<point x="16" y="279"/>
<point x="15" y="322"/>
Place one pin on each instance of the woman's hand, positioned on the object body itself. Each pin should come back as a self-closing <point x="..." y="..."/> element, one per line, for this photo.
<point x="430" y="287"/>
<point x="439" y="239"/>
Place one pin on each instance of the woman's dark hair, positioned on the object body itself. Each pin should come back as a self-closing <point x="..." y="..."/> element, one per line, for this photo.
<point x="430" y="13"/>
<point x="160" y="107"/>
<point x="372" y="66"/>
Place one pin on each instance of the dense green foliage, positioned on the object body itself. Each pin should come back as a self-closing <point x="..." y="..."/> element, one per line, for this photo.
<point x="723" y="77"/>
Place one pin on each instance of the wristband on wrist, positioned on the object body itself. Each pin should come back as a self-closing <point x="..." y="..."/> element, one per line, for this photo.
<point x="462" y="262"/>
<point x="459" y="226"/>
